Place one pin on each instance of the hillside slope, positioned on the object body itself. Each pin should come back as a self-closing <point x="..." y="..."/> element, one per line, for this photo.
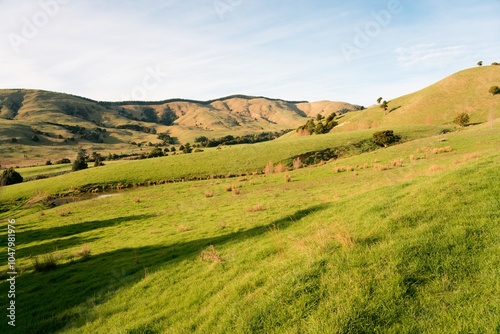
<point x="438" y="104"/>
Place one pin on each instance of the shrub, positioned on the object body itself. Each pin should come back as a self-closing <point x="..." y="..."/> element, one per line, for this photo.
<point x="461" y="119"/>
<point x="288" y="178"/>
<point x="157" y="152"/>
<point x="48" y="163"/>
<point x="35" y="138"/>
<point x="10" y="176"/>
<point x="385" y="138"/>
<point x="63" y="161"/>
<point x="494" y="90"/>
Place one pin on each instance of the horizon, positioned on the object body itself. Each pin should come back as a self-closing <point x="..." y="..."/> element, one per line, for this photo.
<point x="151" y="51"/>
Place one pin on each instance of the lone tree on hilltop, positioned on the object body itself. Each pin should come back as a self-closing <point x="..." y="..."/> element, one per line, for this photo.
<point x="480" y="63"/>
<point x="379" y="100"/>
<point x="10" y="176"/>
<point x="494" y="90"/>
<point x="385" y="138"/>
<point x="462" y="119"/>
<point x="80" y="160"/>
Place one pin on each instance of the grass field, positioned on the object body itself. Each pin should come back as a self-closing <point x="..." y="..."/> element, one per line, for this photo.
<point x="229" y="160"/>
<point x="403" y="239"/>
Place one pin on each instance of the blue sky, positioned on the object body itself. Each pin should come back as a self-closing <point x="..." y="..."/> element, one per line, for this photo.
<point x="352" y="51"/>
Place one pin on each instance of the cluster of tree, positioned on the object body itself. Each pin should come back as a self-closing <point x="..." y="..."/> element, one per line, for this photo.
<point x="166" y="138"/>
<point x="245" y="139"/>
<point x="383" y="104"/>
<point x="385" y="138"/>
<point x="320" y="125"/>
<point x="82" y="159"/>
<point x="137" y="127"/>
<point x="81" y="111"/>
<point x="95" y="135"/>
<point x="168" y="116"/>
<point x="10" y="176"/>
<point x="480" y="63"/>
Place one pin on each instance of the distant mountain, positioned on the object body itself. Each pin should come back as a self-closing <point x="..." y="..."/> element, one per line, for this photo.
<point x="238" y="112"/>
<point x="61" y="122"/>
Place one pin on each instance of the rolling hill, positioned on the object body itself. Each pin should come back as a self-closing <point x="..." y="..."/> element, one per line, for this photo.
<point x="112" y="126"/>
<point x="398" y="239"/>
<point x="438" y="104"/>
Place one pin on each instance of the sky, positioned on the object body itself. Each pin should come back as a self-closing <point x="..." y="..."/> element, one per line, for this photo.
<point x="353" y="51"/>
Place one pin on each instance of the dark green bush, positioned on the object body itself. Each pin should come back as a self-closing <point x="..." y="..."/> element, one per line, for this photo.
<point x="385" y="138"/>
<point x="461" y="119"/>
<point x="10" y="176"/>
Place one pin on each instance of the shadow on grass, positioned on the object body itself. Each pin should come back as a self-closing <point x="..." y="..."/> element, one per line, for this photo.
<point x="53" y="246"/>
<point x="72" y="229"/>
<point x="50" y="300"/>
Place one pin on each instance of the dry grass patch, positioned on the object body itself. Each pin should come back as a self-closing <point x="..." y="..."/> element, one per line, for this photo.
<point x="343" y="237"/>
<point x="280" y="168"/>
<point x="397" y="162"/>
<point x="435" y="168"/>
<point x="441" y="150"/>
<point x="269" y="169"/>
<point x="64" y="213"/>
<point x="210" y="255"/>
<point x="183" y="228"/>
<point x="209" y="193"/>
<point x="256" y="208"/>
<point x="343" y="169"/>
<point x="84" y="252"/>
<point x="297" y="163"/>
<point x="380" y="168"/>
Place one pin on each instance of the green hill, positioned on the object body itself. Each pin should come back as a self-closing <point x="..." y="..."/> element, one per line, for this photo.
<point x="365" y="239"/>
<point x="438" y="104"/>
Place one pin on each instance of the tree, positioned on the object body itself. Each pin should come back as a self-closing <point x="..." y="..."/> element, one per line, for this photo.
<point x="384" y="105"/>
<point x="80" y="160"/>
<point x="35" y="138"/>
<point x="461" y="119"/>
<point x="187" y="148"/>
<point x="495" y="63"/>
<point x="379" y="100"/>
<point x="320" y="128"/>
<point x="97" y="159"/>
<point x="10" y="176"/>
<point x="480" y="63"/>
<point x="385" y="138"/>
<point x="494" y="90"/>
<point x="319" y="117"/>
<point x="157" y="152"/>
<point x="168" y="117"/>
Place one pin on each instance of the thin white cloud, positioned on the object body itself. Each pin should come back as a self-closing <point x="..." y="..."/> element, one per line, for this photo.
<point x="428" y="55"/>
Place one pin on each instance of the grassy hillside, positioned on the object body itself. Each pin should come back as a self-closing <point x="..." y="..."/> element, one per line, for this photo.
<point x="401" y="240"/>
<point x="438" y="104"/>
<point x="229" y="160"/>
